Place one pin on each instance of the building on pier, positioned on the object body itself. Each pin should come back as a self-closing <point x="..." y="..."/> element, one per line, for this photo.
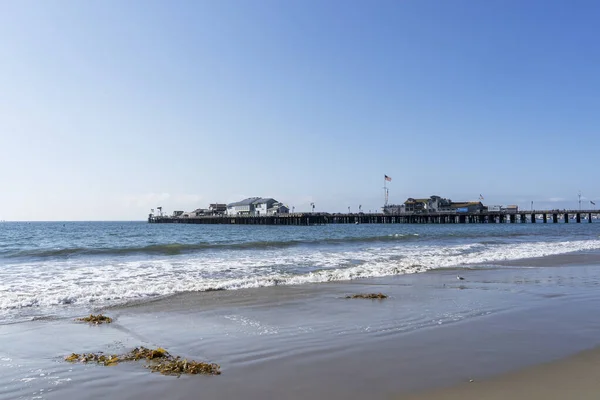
<point x="256" y="206"/>
<point x="262" y="206"/>
<point x="468" y="206"/>
<point x="278" y="208"/>
<point x="242" y="207"/>
<point x="433" y="204"/>
<point x="217" y="209"/>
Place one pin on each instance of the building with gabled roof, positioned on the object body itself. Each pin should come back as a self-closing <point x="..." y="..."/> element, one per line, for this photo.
<point x="256" y="206"/>
<point x="278" y="208"/>
<point x="261" y="206"/>
<point x="242" y="207"/>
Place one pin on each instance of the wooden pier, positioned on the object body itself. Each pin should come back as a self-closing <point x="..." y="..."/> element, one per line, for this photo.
<point x="544" y="216"/>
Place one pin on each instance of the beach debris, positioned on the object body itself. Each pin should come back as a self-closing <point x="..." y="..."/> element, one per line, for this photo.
<point x="158" y="360"/>
<point x="367" y="296"/>
<point x="177" y="367"/>
<point x="100" y="358"/>
<point x="142" y="352"/>
<point x="460" y="278"/>
<point x="471" y="380"/>
<point x="96" y="319"/>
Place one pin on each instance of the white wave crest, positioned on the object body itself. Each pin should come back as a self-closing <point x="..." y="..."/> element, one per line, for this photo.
<point x="96" y="282"/>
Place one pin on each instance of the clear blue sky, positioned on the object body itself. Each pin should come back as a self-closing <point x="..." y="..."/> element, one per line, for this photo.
<point x="110" y="108"/>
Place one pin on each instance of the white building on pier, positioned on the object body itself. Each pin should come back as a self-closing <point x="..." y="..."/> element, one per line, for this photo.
<point x="256" y="206"/>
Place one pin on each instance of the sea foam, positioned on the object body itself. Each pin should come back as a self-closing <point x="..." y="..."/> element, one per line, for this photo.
<point x="96" y="282"/>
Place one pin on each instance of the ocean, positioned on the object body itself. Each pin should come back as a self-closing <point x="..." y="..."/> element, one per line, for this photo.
<point x="64" y="269"/>
<point x="268" y="304"/>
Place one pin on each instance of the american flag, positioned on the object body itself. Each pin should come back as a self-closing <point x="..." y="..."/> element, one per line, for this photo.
<point x="387" y="178"/>
<point x="480" y="197"/>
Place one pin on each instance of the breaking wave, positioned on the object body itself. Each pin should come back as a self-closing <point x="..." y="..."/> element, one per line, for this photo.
<point x="86" y="283"/>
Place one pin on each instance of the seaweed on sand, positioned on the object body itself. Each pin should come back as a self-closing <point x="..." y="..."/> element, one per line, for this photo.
<point x="158" y="360"/>
<point x="177" y="366"/>
<point x="96" y="319"/>
<point x="144" y="353"/>
<point x="367" y="296"/>
<point x="100" y="358"/>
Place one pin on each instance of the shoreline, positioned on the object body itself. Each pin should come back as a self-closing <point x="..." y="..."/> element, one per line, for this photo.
<point x="310" y="341"/>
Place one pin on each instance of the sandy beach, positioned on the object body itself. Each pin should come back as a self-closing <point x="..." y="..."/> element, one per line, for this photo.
<point x="308" y="341"/>
<point x="575" y="377"/>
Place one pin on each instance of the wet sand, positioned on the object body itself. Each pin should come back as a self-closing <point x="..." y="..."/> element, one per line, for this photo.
<point x="308" y="341"/>
<point x="575" y="377"/>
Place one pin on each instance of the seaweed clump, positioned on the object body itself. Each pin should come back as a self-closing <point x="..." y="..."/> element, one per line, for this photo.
<point x="142" y="352"/>
<point x="159" y="360"/>
<point x="177" y="366"/>
<point x="100" y="358"/>
<point x="96" y="319"/>
<point x="367" y="296"/>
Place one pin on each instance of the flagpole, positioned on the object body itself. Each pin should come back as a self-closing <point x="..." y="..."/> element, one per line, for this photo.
<point x="384" y="191"/>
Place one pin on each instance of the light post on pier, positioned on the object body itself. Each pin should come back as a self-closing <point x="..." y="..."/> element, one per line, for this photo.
<point x="313" y="206"/>
<point x="579" y="195"/>
<point x="348" y="209"/>
<point x="531" y="205"/>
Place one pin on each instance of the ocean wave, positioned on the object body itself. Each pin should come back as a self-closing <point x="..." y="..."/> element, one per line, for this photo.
<point x="172" y="249"/>
<point x="183" y="248"/>
<point x="53" y="285"/>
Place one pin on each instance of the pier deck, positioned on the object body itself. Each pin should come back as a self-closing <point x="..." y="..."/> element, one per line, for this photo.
<point x="536" y="216"/>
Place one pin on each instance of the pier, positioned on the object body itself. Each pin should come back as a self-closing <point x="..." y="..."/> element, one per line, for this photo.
<point x="535" y="216"/>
